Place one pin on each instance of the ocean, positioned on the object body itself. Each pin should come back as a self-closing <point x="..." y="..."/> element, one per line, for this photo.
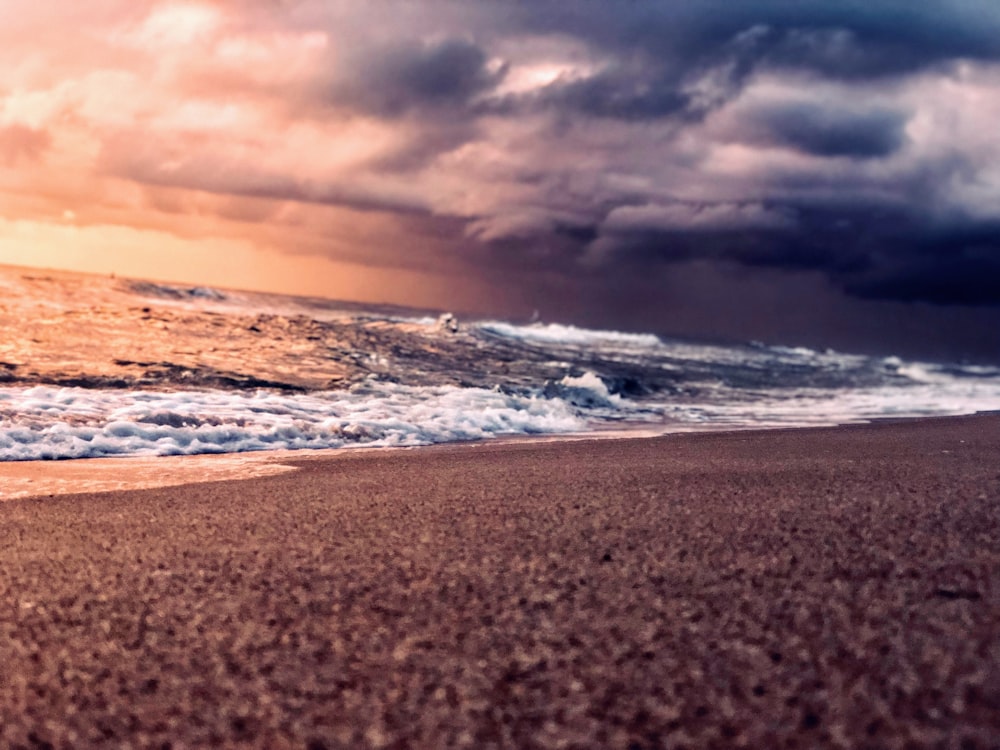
<point x="95" y="366"/>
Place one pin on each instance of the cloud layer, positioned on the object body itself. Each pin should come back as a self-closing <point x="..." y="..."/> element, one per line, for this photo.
<point x="833" y="137"/>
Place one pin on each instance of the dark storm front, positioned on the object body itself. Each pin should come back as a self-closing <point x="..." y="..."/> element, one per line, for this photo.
<point x="94" y="366"/>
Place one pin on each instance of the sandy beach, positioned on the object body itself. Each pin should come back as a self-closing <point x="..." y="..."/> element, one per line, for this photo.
<point x="834" y="587"/>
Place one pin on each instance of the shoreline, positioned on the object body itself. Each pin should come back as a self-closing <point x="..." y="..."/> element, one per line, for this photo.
<point x="21" y="480"/>
<point x="832" y="587"/>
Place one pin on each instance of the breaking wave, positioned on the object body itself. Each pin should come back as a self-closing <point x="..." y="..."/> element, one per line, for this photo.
<point x="58" y="423"/>
<point x="174" y="292"/>
<point x="566" y="335"/>
<point x="92" y="366"/>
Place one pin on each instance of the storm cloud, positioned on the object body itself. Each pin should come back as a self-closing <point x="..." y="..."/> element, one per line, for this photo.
<point x="806" y="135"/>
<point x="828" y="131"/>
<point x="416" y="76"/>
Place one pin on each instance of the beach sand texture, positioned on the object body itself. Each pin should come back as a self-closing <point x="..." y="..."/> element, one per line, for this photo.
<point x="808" y="588"/>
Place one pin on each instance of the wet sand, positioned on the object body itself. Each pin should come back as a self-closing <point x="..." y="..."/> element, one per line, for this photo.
<point x="20" y="479"/>
<point x="807" y="588"/>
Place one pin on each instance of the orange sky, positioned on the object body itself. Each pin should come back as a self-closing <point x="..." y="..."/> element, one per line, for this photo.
<point x="132" y="136"/>
<point x="227" y="262"/>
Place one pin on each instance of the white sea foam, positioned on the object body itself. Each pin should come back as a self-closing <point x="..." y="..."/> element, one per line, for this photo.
<point x="555" y="333"/>
<point x="582" y="379"/>
<point x="425" y="320"/>
<point x="921" y="373"/>
<point x="979" y="371"/>
<point x="805" y="355"/>
<point x="797" y="352"/>
<point x="926" y="372"/>
<point x="55" y="423"/>
<point x="44" y="422"/>
<point x="588" y="390"/>
<point x="816" y="406"/>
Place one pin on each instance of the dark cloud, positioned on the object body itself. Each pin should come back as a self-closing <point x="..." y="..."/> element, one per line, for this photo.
<point x="653" y="89"/>
<point x="432" y="89"/>
<point x="412" y="77"/>
<point x="673" y="59"/>
<point x="847" y="139"/>
<point x="864" y="40"/>
<point x="825" y="130"/>
<point x="844" y="38"/>
<point x="650" y="81"/>
<point x="660" y="59"/>
<point x="868" y="253"/>
<point x="956" y="267"/>
<point x="618" y="93"/>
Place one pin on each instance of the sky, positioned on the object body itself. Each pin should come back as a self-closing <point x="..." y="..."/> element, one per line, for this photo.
<point x="819" y="172"/>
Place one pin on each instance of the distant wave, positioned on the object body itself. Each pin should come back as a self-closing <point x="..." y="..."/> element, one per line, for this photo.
<point x="556" y="333"/>
<point x="169" y="291"/>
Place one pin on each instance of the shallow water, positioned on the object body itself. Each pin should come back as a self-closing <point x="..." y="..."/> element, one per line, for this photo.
<point x="20" y="479"/>
<point x="96" y="366"/>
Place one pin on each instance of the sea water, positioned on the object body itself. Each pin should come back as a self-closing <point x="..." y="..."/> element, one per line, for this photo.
<point x="96" y="366"/>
